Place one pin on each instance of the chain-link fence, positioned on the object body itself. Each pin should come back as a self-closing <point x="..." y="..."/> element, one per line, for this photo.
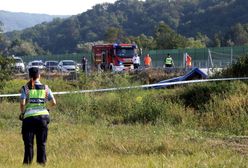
<point x="201" y="57"/>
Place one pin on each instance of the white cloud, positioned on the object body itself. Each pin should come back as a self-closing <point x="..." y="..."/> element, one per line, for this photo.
<point x="55" y="7"/>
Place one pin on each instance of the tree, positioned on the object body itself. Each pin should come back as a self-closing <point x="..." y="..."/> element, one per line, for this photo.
<point x="166" y="38"/>
<point x="143" y="41"/>
<point x="3" y="41"/>
<point x="5" y="70"/>
<point x="127" y="20"/>
<point x="217" y="40"/>
<point x="114" y="34"/>
<point x="20" y="47"/>
<point x="1" y="38"/>
<point x="192" y="43"/>
<point x="1" y="26"/>
<point x="202" y="38"/>
<point x="239" y="34"/>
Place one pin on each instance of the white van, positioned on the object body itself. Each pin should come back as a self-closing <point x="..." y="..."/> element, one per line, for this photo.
<point x="19" y="64"/>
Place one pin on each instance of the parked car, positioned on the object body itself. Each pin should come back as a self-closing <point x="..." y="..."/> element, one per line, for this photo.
<point x="19" y="64"/>
<point x="68" y="66"/>
<point x="36" y="63"/>
<point x="51" y="65"/>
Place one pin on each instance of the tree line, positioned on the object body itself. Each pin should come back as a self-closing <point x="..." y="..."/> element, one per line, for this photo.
<point x="152" y="24"/>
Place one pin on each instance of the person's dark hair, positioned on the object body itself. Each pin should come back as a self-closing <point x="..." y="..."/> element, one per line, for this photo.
<point x="33" y="75"/>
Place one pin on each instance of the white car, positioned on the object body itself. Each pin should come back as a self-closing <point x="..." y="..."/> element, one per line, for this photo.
<point x="37" y="63"/>
<point x="68" y="66"/>
<point x="19" y="64"/>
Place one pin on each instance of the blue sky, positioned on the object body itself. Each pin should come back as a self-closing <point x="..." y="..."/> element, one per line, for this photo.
<point x="52" y="7"/>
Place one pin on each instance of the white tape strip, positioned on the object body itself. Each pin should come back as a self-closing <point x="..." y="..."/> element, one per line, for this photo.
<point x="137" y="87"/>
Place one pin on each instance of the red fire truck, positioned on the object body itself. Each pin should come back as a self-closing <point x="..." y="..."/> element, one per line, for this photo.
<point x="115" y="57"/>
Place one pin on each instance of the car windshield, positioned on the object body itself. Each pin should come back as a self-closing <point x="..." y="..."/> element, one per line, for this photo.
<point x="37" y="63"/>
<point x="125" y="52"/>
<point x="68" y="63"/>
<point x="52" y="63"/>
<point x="18" y="60"/>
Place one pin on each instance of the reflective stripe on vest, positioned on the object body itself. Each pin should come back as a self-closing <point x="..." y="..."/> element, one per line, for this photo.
<point x="168" y="61"/>
<point x="35" y="112"/>
<point x="36" y="101"/>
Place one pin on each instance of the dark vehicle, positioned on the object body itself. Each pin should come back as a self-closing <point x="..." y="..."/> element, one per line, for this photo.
<point x="51" y="65"/>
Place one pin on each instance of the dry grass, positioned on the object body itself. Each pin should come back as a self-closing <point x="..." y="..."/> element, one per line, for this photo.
<point x="82" y="134"/>
<point x="99" y="145"/>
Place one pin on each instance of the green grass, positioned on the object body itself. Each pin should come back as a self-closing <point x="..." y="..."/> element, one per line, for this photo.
<point x="80" y="145"/>
<point x="198" y="125"/>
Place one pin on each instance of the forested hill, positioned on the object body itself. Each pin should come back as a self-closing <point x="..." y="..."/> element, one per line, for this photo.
<point x="210" y="16"/>
<point x="134" y="17"/>
<point x="19" y="20"/>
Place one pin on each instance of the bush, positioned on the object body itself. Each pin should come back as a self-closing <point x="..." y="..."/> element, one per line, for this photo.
<point x="218" y="106"/>
<point x="198" y="95"/>
<point x="228" y="115"/>
<point x="238" y="69"/>
<point x="5" y="70"/>
<point x="103" y="80"/>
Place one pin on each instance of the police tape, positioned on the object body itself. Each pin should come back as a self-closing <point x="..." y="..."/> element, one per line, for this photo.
<point x="157" y="85"/>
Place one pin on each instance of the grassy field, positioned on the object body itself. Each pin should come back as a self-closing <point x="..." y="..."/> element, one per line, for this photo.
<point x="200" y="125"/>
<point x="80" y="145"/>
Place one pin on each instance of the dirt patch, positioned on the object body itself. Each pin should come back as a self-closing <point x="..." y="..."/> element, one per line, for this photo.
<point x="238" y="144"/>
<point x="148" y="76"/>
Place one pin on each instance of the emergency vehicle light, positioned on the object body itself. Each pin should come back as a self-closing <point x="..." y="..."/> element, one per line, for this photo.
<point x="115" y="45"/>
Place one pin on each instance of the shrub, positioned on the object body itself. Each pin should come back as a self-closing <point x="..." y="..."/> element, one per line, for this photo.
<point x="215" y="106"/>
<point x="227" y="115"/>
<point x="103" y="80"/>
<point x="238" y="69"/>
<point x="5" y="70"/>
<point x="198" y="95"/>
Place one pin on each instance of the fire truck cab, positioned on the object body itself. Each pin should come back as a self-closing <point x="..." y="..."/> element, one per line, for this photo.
<point x="115" y="57"/>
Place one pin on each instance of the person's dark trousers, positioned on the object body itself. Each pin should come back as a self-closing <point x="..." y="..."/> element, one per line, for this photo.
<point x="83" y="68"/>
<point x="136" y="66"/>
<point x="35" y="126"/>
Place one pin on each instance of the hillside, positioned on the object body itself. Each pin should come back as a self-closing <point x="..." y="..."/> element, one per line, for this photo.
<point x="211" y="16"/>
<point x="19" y="21"/>
<point x="133" y="18"/>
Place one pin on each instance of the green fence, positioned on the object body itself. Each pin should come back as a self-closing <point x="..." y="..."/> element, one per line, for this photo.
<point x="201" y="57"/>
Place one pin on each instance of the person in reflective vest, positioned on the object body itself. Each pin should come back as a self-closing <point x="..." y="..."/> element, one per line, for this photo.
<point x="168" y="61"/>
<point x="188" y="61"/>
<point x="35" y="116"/>
<point x="147" y="61"/>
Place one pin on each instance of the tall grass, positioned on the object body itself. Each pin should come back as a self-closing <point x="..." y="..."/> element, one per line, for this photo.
<point x="188" y="126"/>
<point x="208" y="106"/>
